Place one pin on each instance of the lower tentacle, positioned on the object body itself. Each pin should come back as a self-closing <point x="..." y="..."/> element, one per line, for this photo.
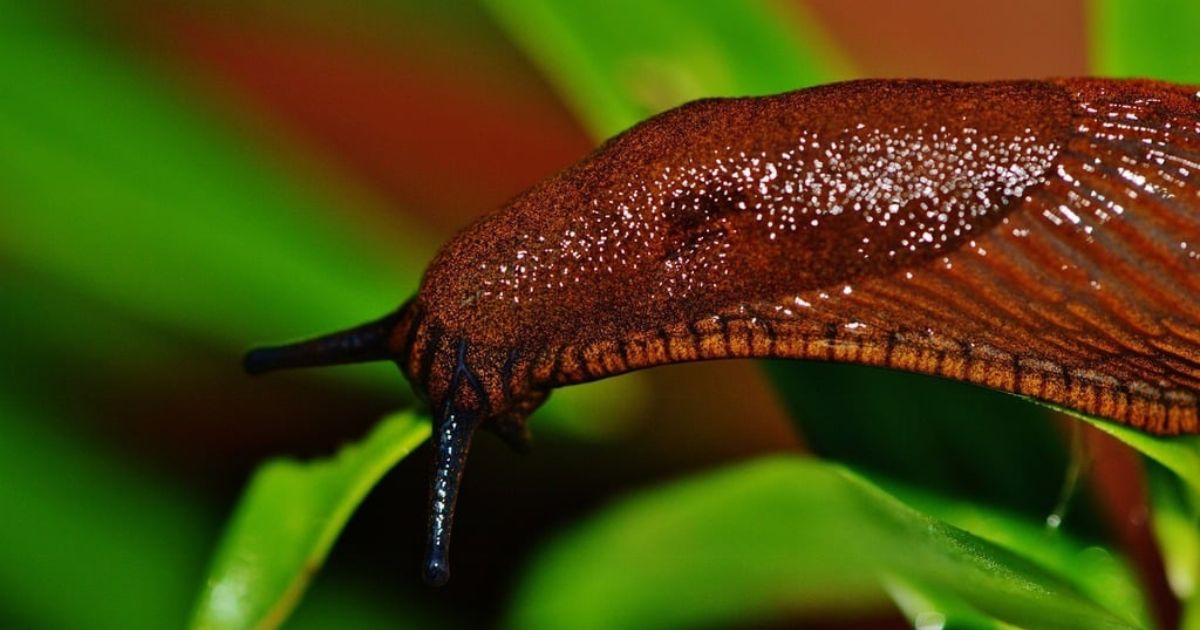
<point x="451" y="441"/>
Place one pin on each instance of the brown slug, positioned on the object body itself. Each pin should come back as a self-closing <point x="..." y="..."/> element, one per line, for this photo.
<point x="1036" y="237"/>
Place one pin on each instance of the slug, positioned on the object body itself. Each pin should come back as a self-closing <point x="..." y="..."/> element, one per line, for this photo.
<point x="1036" y="237"/>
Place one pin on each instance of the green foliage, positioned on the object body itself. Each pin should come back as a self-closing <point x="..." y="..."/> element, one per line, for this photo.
<point x="620" y="62"/>
<point x="953" y="437"/>
<point x="1157" y="39"/>
<point x="1177" y="525"/>
<point x="1173" y="468"/>
<point x="927" y="606"/>
<point x="1180" y="455"/>
<point x="1093" y="570"/>
<point x="788" y="535"/>
<point x="286" y="523"/>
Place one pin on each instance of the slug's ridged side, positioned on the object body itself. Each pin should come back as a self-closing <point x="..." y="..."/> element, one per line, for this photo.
<point x="1086" y="293"/>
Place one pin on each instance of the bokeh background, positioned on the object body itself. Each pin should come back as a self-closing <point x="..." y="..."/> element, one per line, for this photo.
<point x="180" y="181"/>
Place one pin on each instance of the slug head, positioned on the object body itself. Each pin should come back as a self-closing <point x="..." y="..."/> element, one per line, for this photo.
<point x="437" y="361"/>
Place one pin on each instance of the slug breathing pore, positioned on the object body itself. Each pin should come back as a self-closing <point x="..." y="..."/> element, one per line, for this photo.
<point x="1036" y="237"/>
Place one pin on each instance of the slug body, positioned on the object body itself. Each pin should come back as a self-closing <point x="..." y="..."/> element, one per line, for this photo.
<point x="1037" y="237"/>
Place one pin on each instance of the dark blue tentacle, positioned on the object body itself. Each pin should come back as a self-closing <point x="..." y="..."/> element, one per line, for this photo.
<point x="368" y="342"/>
<point x="453" y="430"/>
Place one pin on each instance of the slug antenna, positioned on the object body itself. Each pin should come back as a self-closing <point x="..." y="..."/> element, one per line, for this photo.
<point x="452" y="432"/>
<point x="368" y="342"/>
<point x="451" y="442"/>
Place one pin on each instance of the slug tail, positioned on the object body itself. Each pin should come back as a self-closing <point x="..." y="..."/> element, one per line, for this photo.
<point x="368" y="342"/>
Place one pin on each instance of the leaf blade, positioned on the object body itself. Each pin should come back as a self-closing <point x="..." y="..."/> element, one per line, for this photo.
<point x="1179" y="454"/>
<point x="617" y="63"/>
<point x="286" y="522"/>
<point x="1154" y="39"/>
<point x="778" y="534"/>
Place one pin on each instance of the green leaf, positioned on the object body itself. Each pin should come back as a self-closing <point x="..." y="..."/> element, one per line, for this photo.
<point x="1175" y="516"/>
<point x="1093" y="570"/>
<point x="929" y="432"/>
<point x="1146" y="39"/>
<point x="286" y="522"/>
<point x="781" y="535"/>
<point x="1177" y="529"/>
<point x="1180" y="454"/>
<point x="619" y="62"/>
<point x="930" y="607"/>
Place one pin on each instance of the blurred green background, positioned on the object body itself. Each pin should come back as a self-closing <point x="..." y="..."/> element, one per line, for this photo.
<point x="180" y="181"/>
